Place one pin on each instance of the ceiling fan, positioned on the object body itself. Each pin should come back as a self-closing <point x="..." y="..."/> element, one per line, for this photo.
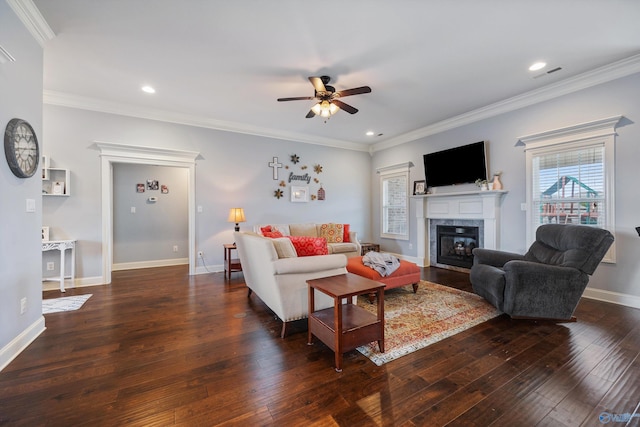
<point x="327" y="97"/>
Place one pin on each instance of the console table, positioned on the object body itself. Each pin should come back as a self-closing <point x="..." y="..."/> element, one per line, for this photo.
<point x="62" y="246"/>
<point x="345" y="326"/>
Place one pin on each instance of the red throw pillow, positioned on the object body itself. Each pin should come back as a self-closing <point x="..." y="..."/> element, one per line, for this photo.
<point x="265" y="229"/>
<point x="308" y="246"/>
<point x="345" y="237"/>
<point x="272" y="234"/>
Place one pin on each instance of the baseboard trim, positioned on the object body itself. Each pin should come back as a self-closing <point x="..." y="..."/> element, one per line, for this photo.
<point x="77" y="283"/>
<point x="632" y="301"/>
<point x="19" y="343"/>
<point x="149" y="264"/>
<point x="206" y="269"/>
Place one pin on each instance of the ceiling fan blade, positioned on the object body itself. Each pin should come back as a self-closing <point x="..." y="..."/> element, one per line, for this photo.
<point x="317" y="84"/>
<point x="297" y="98"/>
<point x="354" y="91"/>
<point x="310" y="114"/>
<point x="346" y="107"/>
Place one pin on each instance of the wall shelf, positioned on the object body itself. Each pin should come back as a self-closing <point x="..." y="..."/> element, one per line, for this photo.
<point x="56" y="182"/>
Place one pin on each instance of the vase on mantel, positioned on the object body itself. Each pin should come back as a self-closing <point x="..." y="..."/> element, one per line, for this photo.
<point x="497" y="184"/>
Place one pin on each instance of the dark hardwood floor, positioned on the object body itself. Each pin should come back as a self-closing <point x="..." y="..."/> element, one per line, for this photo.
<point x="160" y="347"/>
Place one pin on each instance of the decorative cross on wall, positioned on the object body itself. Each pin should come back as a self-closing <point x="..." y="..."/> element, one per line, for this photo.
<point x="275" y="165"/>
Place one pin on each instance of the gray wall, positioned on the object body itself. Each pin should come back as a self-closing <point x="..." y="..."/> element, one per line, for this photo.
<point x="621" y="96"/>
<point x="20" y="245"/>
<point x="155" y="228"/>
<point x="231" y="171"/>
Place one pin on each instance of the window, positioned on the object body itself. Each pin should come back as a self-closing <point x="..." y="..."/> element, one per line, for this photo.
<point x="570" y="177"/>
<point x="394" y="198"/>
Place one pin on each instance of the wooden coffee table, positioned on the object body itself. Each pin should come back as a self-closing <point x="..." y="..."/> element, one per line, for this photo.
<point x="345" y="326"/>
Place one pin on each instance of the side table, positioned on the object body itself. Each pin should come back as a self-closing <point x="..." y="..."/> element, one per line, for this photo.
<point x="345" y="326"/>
<point x="62" y="246"/>
<point x="367" y="247"/>
<point x="230" y="264"/>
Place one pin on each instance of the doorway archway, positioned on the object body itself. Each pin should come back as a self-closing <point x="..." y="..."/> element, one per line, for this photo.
<point x="111" y="153"/>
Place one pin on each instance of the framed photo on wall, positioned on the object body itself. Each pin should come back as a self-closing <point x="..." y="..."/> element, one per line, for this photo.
<point x="152" y="184"/>
<point x="419" y="187"/>
<point x="299" y="194"/>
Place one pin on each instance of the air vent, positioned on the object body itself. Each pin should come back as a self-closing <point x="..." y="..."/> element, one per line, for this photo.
<point x="547" y="72"/>
<point x="5" y="56"/>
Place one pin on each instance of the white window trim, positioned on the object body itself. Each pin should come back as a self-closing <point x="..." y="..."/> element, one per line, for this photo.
<point x="584" y="134"/>
<point x="401" y="169"/>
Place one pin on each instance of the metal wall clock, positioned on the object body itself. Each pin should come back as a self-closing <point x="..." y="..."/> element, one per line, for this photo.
<point x="21" y="148"/>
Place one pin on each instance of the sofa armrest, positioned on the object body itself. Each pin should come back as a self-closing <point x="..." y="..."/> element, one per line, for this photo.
<point x="353" y="237"/>
<point x="309" y="264"/>
<point x="493" y="257"/>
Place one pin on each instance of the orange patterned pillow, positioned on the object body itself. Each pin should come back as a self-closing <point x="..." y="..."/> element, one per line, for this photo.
<point x="334" y="233"/>
<point x="308" y="246"/>
<point x="272" y="234"/>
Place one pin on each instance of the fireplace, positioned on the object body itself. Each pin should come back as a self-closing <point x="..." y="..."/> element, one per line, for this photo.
<point x="455" y="245"/>
<point x="463" y="209"/>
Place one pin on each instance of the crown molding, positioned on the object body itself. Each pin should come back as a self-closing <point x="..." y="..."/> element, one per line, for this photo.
<point x="33" y="20"/>
<point x="585" y="80"/>
<point x="93" y="104"/>
<point x="595" y="77"/>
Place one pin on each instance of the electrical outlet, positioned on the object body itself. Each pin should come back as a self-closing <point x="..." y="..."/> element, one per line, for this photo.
<point x="200" y="254"/>
<point x="51" y="266"/>
<point x="23" y="305"/>
<point x="175" y="248"/>
<point x="410" y="245"/>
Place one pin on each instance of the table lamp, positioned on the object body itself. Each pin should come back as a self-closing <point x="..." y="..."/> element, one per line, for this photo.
<point x="236" y="215"/>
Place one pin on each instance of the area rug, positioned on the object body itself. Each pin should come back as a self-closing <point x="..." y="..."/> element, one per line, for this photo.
<point x="56" y="305"/>
<point x="414" y="321"/>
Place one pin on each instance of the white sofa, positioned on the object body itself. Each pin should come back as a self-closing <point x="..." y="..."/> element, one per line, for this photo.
<point x="281" y="282"/>
<point x="350" y="249"/>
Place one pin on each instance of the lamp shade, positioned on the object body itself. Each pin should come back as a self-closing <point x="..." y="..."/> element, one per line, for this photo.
<point x="236" y="215"/>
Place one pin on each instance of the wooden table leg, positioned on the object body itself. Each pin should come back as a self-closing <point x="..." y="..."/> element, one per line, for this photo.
<point x="381" y="316"/>
<point x="337" y="313"/>
<point x="312" y="308"/>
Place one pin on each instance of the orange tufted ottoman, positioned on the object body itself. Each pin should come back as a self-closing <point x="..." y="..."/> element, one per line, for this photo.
<point x="407" y="274"/>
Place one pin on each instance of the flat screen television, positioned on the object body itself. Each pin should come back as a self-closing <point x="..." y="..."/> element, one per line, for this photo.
<point x="459" y="165"/>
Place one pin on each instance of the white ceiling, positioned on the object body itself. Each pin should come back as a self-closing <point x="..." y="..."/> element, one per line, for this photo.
<point x="430" y="64"/>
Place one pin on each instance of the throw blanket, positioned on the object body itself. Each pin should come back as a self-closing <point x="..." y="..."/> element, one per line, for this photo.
<point x="385" y="264"/>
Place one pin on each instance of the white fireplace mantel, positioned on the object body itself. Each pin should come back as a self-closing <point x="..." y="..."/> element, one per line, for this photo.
<point x="468" y="205"/>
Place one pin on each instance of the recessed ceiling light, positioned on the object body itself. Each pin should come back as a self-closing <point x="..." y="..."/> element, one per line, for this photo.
<point x="148" y="89"/>
<point x="371" y="133"/>
<point x="538" y="66"/>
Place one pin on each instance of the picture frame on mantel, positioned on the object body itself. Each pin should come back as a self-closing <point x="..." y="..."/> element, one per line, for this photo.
<point x="419" y="187"/>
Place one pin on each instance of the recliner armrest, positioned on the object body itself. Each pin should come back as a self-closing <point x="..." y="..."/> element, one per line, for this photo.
<point x="493" y="257"/>
<point x="309" y="264"/>
<point x="542" y="290"/>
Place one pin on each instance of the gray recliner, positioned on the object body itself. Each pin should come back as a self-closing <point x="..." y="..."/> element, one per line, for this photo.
<point x="546" y="282"/>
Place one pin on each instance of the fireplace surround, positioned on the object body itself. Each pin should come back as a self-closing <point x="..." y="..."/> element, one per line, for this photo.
<point x="464" y="209"/>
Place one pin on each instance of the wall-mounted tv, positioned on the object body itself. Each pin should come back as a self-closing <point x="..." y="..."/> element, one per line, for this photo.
<point x="459" y="165"/>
